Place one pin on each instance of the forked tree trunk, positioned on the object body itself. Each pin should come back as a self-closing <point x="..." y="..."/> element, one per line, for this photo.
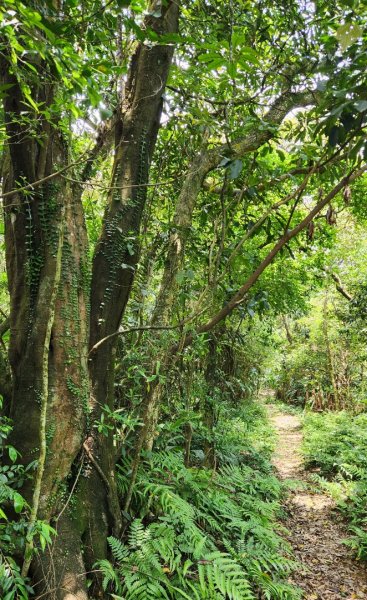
<point x="46" y="254"/>
<point x="56" y="395"/>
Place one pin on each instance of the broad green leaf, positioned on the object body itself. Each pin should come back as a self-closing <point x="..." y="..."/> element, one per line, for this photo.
<point x="12" y="453"/>
<point x="18" y="502"/>
<point x="348" y="34"/>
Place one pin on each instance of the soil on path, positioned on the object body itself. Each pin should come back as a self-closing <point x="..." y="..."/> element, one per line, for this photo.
<point x="316" y="531"/>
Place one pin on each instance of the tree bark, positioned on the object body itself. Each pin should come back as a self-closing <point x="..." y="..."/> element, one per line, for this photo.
<point x="46" y="263"/>
<point x="57" y="314"/>
<point x="117" y="252"/>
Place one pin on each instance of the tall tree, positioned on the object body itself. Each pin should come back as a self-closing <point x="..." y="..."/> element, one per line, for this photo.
<point x="56" y="395"/>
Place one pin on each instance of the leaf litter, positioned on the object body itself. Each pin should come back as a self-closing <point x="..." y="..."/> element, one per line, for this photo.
<point x="316" y="530"/>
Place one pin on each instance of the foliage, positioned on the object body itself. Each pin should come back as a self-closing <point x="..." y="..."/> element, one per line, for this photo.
<point x="336" y="444"/>
<point x="264" y="113"/>
<point x="13" y="520"/>
<point x="200" y="533"/>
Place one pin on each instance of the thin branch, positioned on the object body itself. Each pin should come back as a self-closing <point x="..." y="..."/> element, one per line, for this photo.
<point x="223" y="103"/>
<point x="339" y="286"/>
<point x="4" y="326"/>
<point x="88" y="157"/>
<point x="31" y="186"/>
<point x="96" y="466"/>
<point x="131" y="330"/>
<point x="71" y="491"/>
<point x="108" y="188"/>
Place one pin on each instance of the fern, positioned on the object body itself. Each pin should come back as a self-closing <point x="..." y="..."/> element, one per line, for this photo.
<point x="336" y="443"/>
<point x="12" y="584"/>
<point x="186" y="552"/>
<point x="202" y="535"/>
<point x="219" y="572"/>
<point x="148" y="568"/>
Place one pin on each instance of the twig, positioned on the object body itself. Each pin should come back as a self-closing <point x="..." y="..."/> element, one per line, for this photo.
<point x="34" y="184"/>
<point x="130" y="330"/>
<point x="96" y="466"/>
<point x="4" y="326"/>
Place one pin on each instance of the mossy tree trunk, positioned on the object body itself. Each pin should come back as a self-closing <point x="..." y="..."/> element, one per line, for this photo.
<point x="46" y="254"/>
<point x="58" y="312"/>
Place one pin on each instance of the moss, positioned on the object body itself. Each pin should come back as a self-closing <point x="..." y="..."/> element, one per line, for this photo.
<point x="49" y="215"/>
<point x="50" y="432"/>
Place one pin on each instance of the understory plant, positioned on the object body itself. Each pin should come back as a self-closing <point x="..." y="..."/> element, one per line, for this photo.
<point x="14" y="526"/>
<point x="336" y="444"/>
<point x="201" y="533"/>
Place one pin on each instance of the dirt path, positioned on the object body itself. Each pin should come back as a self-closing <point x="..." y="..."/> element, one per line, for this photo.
<point x="316" y="532"/>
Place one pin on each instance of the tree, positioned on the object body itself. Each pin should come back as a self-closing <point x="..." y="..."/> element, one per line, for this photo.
<point x="55" y="392"/>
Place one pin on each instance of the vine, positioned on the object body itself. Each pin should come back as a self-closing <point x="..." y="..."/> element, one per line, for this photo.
<point x="43" y="415"/>
<point x="120" y="244"/>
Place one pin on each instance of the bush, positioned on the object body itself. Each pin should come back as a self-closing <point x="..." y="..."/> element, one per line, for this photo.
<point x="336" y="443"/>
<point x="202" y="534"/>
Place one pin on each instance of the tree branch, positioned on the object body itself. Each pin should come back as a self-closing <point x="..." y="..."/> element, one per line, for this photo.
<point x="339" y="286"/>
<point x="4" y="326"/>
<point x="252" y="279"/>
<point x="131" y="330"/>
<point x="204" y="162"/>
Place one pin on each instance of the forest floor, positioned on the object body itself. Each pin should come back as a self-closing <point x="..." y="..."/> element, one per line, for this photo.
<point x="316" y="531"/>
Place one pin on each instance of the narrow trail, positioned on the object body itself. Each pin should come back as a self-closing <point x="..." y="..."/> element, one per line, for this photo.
<point x="328" y="570"/>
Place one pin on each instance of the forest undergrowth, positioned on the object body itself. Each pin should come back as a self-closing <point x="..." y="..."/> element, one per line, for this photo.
<point x="203" y="533"/>
<point x="335" y="448"/>
<point x="197" y="533"/>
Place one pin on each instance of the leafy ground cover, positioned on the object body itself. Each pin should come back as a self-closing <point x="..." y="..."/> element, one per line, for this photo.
<point x="336" y="444"/>
<point x="206" y="534"/>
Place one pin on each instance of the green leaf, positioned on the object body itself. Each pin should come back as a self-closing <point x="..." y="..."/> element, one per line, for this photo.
<point x="216" y="63"/>
<point x="348" y="34"/>
<point x="361" y="105"/>
<point x="18" y="502"/>
<point x="12" y="453"/>
<point x="232" y="70"/>
<point x="3" y="515"/>
<point x="42" y="542"/>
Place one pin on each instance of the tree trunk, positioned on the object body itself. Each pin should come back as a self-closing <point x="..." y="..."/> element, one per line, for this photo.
<point x="56" y="395"/>
<point x="117" y="253"/>
<point x="329" y="355"/>
<point x="46" y="254"/>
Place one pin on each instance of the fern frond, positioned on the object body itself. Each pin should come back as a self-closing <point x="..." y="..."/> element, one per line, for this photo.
<point x="119" y="551"/>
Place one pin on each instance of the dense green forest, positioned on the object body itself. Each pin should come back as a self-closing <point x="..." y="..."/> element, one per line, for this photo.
<point x="183" y="247"/>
